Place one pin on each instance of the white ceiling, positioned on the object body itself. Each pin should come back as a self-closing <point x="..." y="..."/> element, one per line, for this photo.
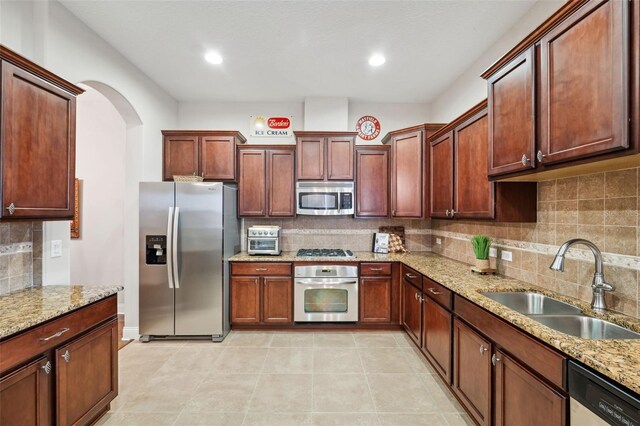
<point x="289" y="50"/>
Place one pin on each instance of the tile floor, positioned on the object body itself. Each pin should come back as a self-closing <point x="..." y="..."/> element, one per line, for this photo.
<point x="264" y="378"/>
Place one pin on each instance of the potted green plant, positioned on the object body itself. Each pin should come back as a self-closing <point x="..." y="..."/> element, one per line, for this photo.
<point x="481" y="245"/>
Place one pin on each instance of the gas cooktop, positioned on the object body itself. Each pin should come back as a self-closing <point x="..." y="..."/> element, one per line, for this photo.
<point x="324" y="253"/>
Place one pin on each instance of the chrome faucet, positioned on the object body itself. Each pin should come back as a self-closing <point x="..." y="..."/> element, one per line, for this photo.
<point x="599" y="286"/>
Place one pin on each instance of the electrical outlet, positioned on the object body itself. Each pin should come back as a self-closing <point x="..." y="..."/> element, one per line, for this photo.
<point x="493" y="252"/>
<point x="438" y="241"/>
<point x="56" y="248"/>
<point x="506" y="255"/>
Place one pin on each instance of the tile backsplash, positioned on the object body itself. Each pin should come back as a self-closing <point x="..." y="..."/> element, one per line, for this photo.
<point x="20" y="255"/>
<point x="601" y="207"/>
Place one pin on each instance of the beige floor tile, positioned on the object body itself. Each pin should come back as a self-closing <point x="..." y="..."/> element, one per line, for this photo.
<point x="343" y="419"/>
<point x="402" y="339"/>
<point x="223" y="393"/>
<point x="384" y="360"/>
<point x="292" y="340"/>
<point x="417" y="361"/>
<point x="192" y="359"/>
<point x="404" y="419"/>
<point x="367" y="340"/>
<point x="282" y="393"/>
<point x="333" y="340"/>
<point x="240" y="360"/>
<point x="277" y="419"/>
<point x="442" y="396"/>
<point x="458" y="419"/>
<point x="403" y="393"/>
<point x="289" y="360"/>
<point x="336" y="360"/>
<point x="209" y="419"/>
<point x="250" y="339"/>
<point x="164" y="393"/>
<point x="139" y="419"/>
<point x="341" y="393"/>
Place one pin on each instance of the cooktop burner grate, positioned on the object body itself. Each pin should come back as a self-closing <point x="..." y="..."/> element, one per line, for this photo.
<point x="324" y="253"/>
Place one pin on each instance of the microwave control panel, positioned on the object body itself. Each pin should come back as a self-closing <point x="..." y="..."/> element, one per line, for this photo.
<point x="346" y="201"/>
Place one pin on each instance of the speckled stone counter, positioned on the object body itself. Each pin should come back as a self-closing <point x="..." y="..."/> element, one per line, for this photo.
<point x="23" y="309"/>
<point x="616" y="359"/>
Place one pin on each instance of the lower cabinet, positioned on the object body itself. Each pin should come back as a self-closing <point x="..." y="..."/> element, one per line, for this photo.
<point x="25" y="395"/>
<point x="436" y="337"/>
<point x="378" y="294"/>
<point x="261" y="300"/>
<point x="277" y="300"/>
<point x="412" y="311"/>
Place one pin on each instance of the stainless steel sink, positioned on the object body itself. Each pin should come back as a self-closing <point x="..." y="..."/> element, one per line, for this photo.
<point x="586" y="327"/>
<point x="533" y="303"/>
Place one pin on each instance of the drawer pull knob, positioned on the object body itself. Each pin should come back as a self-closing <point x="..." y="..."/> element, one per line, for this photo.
<point x="416" y="296"/>
<point x="53" y="336"/>
<point x="525" y="160"/>
<point x="11" y="208"/>
<point x="66" y="356"/>
<point x="483" y="350"/>
<point x="494" y="359"/>
<point x="432" y="291"/>
<point x="47" y="367"/>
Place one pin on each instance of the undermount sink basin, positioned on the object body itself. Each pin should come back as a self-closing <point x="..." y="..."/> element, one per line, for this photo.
<point x="586" y="327"/>
<point x="533" y="303"/>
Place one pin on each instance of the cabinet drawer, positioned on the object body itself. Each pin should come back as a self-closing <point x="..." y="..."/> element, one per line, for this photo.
<point x="261" y="269"/>
<point x="375" y="269"/>
<point x="26" y="345"/>
<point x="437" y="292"/>
<point x="412" y="276"/>
<point x="539" y="357"/>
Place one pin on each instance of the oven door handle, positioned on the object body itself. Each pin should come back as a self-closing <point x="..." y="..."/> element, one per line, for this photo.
<point x="324" y="282"/>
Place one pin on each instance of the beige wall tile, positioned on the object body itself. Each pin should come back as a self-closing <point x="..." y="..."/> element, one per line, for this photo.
<point x="591" y="212"/>
<point x="593" y="233"/>
<point x="621" y="211"/>
<point x="621" y="240"/>
<point x="565" y="232"/>
<point x="623" y="183"/>
<point x="591" y="186"/>
<point x="567" y="212"/>
<point x="547" y="190"/>
<point x="567" y="189"/>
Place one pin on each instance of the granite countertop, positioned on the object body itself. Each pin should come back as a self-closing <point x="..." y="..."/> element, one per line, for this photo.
<point x="26" y="308"/>
<point x="616" y="359"/>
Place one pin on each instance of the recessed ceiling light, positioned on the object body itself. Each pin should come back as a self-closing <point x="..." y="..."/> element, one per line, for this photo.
<point x="376" y="60"/>
<point x="213" y="58"/>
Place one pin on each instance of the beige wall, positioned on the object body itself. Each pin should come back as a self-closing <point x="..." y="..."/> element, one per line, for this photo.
<point x="20" y="255"/>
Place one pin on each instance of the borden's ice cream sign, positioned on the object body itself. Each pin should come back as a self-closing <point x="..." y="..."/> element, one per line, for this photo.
<point x="271" y="127"/>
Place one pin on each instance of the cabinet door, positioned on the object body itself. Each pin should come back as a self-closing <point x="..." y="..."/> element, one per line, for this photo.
<point x="281" y="183"/>
<point x="310" y="151"/>
<point x="584" y="83"/>
<point x="25" y="395"/>
<point x="522" y="399"/>
<point x="245" y="300"/>
<point x="437" y="337"/>
<point x="412" y="311"/>
<point x="252" y="182"/>
<point x="87" y="375"/>
<point x="180" y="156"/>
<point x="407" y="168"/>
<point x="340" y="158"/>
<point x="474" y="194"/>
<point x="277" y="300"/>
<point x="472" y="372"/>
<point x="372" y="182"/>
<point x="375" y="299"/>
<point x="442" y="176"/>
<point x="511" y="111"/>
<point x="38" y="147"/>
<point x="218" y="157"/>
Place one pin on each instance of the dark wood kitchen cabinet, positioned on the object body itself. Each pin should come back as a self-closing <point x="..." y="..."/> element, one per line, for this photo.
<point x="412" y="304"/>
<point x="325" y="155"/>
<point x="37" y="141"/>
<point x="437" y="323"/>
<point x="377" y="293"/>
<point x="261" y="293"/>
<point x="372" y="181"/>
<point x="25" y="395"/>
<point x="206" y="153"/>
<point x="266" y="181"/>
<point x="459" y="184"/>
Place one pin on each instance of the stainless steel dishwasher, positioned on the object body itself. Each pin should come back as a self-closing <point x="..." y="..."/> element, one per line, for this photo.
<point x="596" y="400"/>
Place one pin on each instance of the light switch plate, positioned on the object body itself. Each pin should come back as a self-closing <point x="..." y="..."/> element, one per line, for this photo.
<point x="438" y="241"/>
<point x="507" y="255"/>
<point x="56" y="248"/>
<point x="493" y="252"/>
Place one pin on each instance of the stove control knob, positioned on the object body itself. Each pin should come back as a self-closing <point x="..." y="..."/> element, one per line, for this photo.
<point x="272" y="233"/>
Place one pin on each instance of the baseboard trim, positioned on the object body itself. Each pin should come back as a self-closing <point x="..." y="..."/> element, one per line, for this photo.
<point x="130" y="333"/>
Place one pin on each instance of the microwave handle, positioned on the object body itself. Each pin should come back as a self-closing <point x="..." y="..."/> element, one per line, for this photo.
<point x="339" y="201"/>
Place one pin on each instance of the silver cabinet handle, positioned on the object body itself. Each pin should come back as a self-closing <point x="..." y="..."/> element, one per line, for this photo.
<point x="408" y="275"/>
<point x="446" y="213"/>
<point x="453" y="212"/>
<point x="53" y="336"/>
<point x="393" y="212"/>
<point x="262" y="269"/>
<point x="174" y="238"/>
<point x="375" y="269"/>
<point x="494" y="359"/>
<point x="525" y="160"/>
<point x="47" y="367"/>
<point x="420" y="299"/>
<point x="432" y="291"/>
<point x="415" y="296"/>
<point x="169" y="247"/>
<point x="66" y="356"/>
<point x="483" y="350"/>
<point x="540" y="156"/>
<point x="11" y="208"/>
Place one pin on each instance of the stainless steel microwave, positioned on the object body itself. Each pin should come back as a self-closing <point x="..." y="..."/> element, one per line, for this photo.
<point x="325" y="198"/>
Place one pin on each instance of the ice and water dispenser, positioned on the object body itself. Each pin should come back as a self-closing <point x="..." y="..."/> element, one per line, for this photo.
<point x="156" y="249"/>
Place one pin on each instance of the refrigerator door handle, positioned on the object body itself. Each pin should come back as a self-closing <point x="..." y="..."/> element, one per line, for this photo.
<point x="169" y="245"/>
<point x="174" y="247"/>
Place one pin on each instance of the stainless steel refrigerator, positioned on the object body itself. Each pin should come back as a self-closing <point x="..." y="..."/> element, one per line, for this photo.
<point x="188" y="231"/>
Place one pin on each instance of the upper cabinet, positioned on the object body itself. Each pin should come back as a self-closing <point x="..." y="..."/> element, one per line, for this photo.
<point x="325" y="155"/>
<point x="459" y="185"/>
<point x="409" y="182"/>
<point x="37" y="141"/>
<point x="209" y="154"/>
<point x="565" y="101"/>
<point x="372" y="181"/>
